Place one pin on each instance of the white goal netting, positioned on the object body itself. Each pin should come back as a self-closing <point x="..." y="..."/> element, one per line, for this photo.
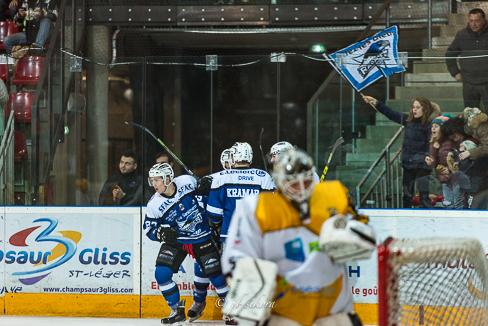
<point x="435" y="281"/>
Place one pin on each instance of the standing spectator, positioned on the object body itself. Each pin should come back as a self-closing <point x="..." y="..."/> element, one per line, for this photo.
<point x="123" y="188"/>
<point x="415" y="146"/>
<point x="473" y="72"/>
<point x="45" y="13"/>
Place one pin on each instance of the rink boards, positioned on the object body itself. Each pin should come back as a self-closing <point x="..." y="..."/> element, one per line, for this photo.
<point x="96" y="261"/>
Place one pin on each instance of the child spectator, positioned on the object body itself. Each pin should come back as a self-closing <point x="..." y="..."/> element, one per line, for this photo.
<point x="439" y="148"/>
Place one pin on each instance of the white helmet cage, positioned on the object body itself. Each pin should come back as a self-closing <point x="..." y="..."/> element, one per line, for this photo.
<point x="163" y="170"/>
<point x="278" y="148"/>
<point x="293" y="174"/>
<point x="227" y="158"/>
<point x="242" y="152"/>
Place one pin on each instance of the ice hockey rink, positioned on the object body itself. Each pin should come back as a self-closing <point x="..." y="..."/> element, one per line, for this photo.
<point x="83" y="321"/>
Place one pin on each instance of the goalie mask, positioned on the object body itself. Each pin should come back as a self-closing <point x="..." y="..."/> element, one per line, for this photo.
<point x="277" y="149"/>
<point x="163" y="170"/>
<point x="293" y="174"/>
<point x="242" y="153"/>
<point x="227" y="158"/>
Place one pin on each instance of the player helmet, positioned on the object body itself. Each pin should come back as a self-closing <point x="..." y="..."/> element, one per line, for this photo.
<point x="293" y="174"/>
<point x="227" y="158"/>
<point x="242" y="152"/>
<point x="163" y="170"/>
<point x="277" y="149"/>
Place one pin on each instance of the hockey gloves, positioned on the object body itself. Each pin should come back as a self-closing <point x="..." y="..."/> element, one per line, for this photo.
<point x="203" y="185"/>
<point x="166" y="234"/>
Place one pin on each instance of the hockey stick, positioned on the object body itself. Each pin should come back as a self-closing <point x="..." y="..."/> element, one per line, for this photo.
<point x="166" y="148"/>
<point x="261" y="149"/>
<point x="337" y="143"/>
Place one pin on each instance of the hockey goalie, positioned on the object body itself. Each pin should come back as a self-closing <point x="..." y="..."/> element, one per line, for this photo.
<point x="286" y="250"/>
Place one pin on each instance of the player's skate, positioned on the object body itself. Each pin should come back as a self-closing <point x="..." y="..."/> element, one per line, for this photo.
<point x="196" y="310"/>
<point x="228" y="320"/>
<point x="176" y="315"/>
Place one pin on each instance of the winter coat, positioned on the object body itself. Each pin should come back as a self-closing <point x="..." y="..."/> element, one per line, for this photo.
<point x="468" y="43"/>
<point x="439" y="156"/>
<point x="416" y="138"/>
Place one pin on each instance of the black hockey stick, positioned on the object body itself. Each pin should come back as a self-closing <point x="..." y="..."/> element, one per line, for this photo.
<point x="337" y="143"/>
<point x="261" y="149"/>
<point x="166" y="148"/>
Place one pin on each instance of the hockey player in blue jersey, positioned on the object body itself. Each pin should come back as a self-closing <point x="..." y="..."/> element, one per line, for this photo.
<point x="175" y="218"/>
<point x="228" y="186"/>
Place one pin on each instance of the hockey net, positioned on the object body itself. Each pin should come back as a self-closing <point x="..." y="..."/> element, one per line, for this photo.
<point x="435" y="281"/>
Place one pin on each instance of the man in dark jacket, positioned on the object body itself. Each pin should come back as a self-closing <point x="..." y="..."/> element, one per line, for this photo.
<point x="124" y="188"/>
<point x="473" y="72"/>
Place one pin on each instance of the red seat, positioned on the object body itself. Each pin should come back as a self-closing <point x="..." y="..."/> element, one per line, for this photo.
<point x="7" y="28"/>
<point x="28" y="70"/>
<point x="21" y="103"/>
<point x="20" y="146"/>
<point x="4" y="72"/>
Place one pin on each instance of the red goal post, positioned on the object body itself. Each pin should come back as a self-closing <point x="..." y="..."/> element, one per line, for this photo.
<point x="433" y="281"/>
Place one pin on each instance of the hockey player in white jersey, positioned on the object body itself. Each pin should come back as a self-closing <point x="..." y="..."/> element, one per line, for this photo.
<point x="229" y="186"/>
<point x="286" y="250"/>
<point x="175" y="218"/>
<point x="227" y="158"/>
<point x="281" y="147"/>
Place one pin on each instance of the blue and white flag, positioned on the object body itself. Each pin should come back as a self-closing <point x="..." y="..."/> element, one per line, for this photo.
<point x="366" y="61"/>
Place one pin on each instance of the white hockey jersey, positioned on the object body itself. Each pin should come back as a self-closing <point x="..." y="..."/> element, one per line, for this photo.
<point x="268" y="226"/>
<point x="228" y="186"/>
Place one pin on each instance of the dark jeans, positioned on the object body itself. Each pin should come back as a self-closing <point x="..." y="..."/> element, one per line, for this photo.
<point x="421" y="176"/>
<point x="474" y="95"/>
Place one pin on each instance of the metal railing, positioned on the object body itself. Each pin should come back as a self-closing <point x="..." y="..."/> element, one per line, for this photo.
<point x="7" y="163"/>
<point x="383" y="182"/>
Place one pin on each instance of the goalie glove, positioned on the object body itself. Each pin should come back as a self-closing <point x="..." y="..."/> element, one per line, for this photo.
<point x="251" y="291"/>
<point x="346" y="240"/>
<point x="166" y="234"/>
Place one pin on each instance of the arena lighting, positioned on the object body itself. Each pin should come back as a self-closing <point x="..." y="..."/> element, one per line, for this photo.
<point x="317" y="48"/>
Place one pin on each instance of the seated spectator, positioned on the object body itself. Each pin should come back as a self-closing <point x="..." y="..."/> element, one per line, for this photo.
<point x="162" y="157"/>
<point x="123" y="188"/>
<point x="44" y="13"/>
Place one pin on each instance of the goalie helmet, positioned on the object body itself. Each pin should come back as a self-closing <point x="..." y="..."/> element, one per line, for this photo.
<point x="242" y="153"/>
<point x="293" y="174"/>
<point x="227" y="158"/>
<point x="163" y="170"/>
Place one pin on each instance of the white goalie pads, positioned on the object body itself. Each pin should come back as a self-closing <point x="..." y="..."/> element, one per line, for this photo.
<point x="250" y="298"/>
<point x="345" y="240"/>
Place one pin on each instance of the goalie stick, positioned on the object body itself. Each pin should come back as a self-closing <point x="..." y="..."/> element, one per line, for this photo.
<point x="166" y="148"/>
<point x="339" y="141"/>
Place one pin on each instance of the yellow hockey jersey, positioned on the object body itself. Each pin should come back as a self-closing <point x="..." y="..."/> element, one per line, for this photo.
<point x="268" y="227"/>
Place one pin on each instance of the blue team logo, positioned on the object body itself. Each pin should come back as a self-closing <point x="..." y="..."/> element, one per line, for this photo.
<point x="294" y="250"/>
<point x="42" y="262"/>
<point x="260" y="173"/>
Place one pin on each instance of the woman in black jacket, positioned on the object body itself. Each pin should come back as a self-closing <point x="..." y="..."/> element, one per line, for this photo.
<point x="415" y="146"/>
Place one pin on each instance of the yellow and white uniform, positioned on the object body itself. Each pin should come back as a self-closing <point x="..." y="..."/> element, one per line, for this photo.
<point x="269" y="227"/>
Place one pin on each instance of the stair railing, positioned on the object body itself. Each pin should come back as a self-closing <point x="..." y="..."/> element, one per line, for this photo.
<point x="381" y="186"/>
<point x="7" y="163"/>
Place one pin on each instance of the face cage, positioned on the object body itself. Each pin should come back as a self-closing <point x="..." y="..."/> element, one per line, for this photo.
<point x="227" y="158"/>
<point x="165" y="178"/>
<point x="302" y="192"/>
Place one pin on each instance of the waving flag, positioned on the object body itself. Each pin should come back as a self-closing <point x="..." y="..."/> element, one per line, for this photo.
<point x="366" y="61"/>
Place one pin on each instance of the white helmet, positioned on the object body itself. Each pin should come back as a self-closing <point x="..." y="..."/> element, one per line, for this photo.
<point x="293" y="174"/>
<point x="227" y="158"/>
<point x="163" y="170"/>
<point x="277" y="149"/>
<point x="242" y="152"/>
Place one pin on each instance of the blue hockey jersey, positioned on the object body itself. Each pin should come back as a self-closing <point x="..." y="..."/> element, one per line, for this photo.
<point x="228" y="186"/>
<point x="182" y="211"/>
